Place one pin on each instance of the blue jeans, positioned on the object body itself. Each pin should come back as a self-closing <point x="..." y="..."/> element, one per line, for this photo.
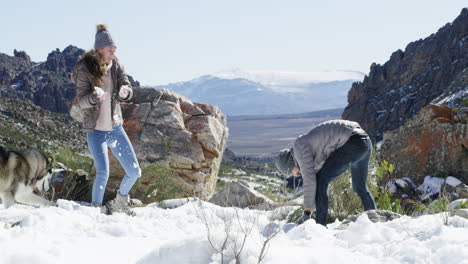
<point x="118" y="141"/>
<point x="354" y="154"/>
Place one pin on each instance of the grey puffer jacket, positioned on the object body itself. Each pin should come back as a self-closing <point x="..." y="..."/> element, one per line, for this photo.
<point x="311" y="150"/>
<point x="85" y="76"/>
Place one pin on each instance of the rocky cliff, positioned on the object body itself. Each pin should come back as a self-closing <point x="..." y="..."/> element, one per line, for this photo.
<point x="434" y="69"/>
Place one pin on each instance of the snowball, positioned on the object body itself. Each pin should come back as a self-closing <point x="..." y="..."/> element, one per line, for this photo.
<point x="99" y="91"/>
<point x="113" y="144"/>
<point x="452" y="181"/>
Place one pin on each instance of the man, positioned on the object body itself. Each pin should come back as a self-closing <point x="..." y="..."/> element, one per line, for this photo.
<point x="323" y="154"/>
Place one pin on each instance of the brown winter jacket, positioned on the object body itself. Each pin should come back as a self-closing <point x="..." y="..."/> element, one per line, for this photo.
<point x="86" y="75"/>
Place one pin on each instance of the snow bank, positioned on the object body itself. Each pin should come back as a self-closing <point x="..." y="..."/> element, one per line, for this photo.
<point x="72" y="233"/>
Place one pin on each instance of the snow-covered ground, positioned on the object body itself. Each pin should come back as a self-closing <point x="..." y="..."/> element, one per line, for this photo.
<point x="72" y="233"/>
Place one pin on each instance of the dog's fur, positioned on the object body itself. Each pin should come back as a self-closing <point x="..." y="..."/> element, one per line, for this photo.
<point x="21" y="173"/>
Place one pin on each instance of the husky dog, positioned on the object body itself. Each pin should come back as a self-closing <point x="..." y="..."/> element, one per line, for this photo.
<point x="21" y="173"/>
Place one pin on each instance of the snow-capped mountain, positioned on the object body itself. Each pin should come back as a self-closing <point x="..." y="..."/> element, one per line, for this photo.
<point x="239" y="92"/>
<point x="285" y="79"/>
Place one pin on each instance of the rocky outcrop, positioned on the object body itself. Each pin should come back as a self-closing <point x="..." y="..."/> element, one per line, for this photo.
<point x="23" y="55"/>
<point x="434" y="142"/>
<point x="189" y="137"/>
<point x="58" y="61"/>
<point x="11" y="66"/>
<point x="229" y="155"/>
<point x="434" y="69"/>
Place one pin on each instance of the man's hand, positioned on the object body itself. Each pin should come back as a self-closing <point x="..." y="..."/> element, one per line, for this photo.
<point x="295" y="171"/>
<point x="124" y="91"/>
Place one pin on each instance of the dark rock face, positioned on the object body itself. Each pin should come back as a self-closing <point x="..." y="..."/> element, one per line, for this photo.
<point x="434" y="142"/>
<point x="23" y="55"/>
<point x="427" y="70"/>
<point x="10" y="66"/>
<point x="63" y="61"/>
<point x="229" y="155"/>
<point x="46" y="84"/>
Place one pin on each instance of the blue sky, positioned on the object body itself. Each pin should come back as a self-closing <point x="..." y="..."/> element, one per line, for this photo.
<point x="177" y="40"/>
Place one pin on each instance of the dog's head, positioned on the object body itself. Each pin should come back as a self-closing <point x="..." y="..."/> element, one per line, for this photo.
<point x="41" y="169"/>
<point x="44" y="177"/>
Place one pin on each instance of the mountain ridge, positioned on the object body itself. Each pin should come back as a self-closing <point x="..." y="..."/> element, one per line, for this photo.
<point x="240" y="96"/>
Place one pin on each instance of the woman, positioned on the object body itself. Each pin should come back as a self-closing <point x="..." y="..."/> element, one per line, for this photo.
<point x="323" y="154"/>
<point x="101" y="84"/>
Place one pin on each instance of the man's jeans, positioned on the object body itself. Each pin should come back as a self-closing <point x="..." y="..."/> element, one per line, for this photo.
<point x="354" y="154"/>
<point x="118" y="141"/>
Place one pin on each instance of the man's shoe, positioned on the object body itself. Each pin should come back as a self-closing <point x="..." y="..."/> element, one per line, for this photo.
<point x="306" y="215"/>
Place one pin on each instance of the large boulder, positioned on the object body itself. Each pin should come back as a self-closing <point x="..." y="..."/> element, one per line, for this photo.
<point x="188" y="137"/>
<point x="434" y="142"/>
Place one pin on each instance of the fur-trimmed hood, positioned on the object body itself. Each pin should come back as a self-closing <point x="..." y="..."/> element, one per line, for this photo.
<point x="94" y="64"/>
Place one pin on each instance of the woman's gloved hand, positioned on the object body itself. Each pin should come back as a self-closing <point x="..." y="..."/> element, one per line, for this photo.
<point x="124" y="91"/>
<point x="99" y="94"/>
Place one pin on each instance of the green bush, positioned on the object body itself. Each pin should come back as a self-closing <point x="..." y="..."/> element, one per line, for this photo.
<point x="161" y="183"/>
<point x="384" y="202"/>
<point x="464" y="102"/>
<point x="439" y="206"/>
<point x="294" y="215"/>
<point x="383" y="196"/>
<point x="73" y="160"/>
<point x="462" y="205"/>
<point x="72" y="187"/>
<point x="384" y="172"/>
<point x="342" y="200"/>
